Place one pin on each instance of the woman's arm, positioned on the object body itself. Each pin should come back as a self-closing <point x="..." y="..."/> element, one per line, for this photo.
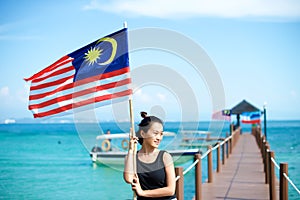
<point x="169" y="190"/>
<point x="128" y="173"/>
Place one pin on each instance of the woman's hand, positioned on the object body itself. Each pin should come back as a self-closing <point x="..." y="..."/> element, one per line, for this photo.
<point x="136" y="186"/>
<point x="133" y="141"/>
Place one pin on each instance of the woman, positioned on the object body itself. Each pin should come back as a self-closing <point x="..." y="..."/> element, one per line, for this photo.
<point x="155" y="178"/>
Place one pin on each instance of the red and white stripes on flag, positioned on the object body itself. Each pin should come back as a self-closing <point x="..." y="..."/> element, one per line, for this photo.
<point x="53" y="90"/>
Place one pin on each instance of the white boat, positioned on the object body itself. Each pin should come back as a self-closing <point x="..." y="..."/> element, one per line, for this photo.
<point x="110" y="153"/>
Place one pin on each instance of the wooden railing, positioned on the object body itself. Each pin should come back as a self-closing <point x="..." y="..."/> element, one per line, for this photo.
<point x="225" y="147"/>
<point x="269" y="168"/>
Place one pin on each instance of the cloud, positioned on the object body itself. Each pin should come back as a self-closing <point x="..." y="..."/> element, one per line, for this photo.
<point x="161" y="97"/>
<point x="151" y="97"/>
<point x="4" y="91"/>
<point x="141" y="96"/>
<point x="289" y="9"/>
<point x="19" y="96"/>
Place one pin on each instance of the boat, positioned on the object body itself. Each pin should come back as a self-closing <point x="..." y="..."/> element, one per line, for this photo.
<point x="113" y="150"/>
<point x="199" y="139"/>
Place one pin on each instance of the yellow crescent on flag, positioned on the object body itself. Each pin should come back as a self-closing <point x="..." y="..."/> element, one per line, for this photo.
<point x="114" y="49"/>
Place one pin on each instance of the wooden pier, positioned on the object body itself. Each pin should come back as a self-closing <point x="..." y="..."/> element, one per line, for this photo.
<point x="243" y="175"/>
<point x="245" y="170"/>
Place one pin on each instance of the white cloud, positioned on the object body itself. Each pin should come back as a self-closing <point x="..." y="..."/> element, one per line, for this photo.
<point x="161" y="97"/>
<point x="141" y="96"/>
<point x="151" y="97"/>
<point x="18" y="96"/>
<point x="4" y="91"/>
<point x="192" y="8"/>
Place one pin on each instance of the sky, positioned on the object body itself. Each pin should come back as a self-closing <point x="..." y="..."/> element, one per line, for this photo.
<point x="254" y="46"/>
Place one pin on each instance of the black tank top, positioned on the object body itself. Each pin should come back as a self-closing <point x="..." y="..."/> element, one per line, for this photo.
<point x="152" y="175"/>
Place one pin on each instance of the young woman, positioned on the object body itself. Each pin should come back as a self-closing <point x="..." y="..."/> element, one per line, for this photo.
<point x="155" y="178"/>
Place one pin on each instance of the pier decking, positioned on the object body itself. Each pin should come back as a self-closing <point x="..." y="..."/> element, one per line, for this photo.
<point x="242" y="177"/>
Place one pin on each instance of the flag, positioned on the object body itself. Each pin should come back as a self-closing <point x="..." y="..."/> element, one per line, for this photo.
<point x="226" y="112"/>
<point x="92" y="76"/>
<point x="224" y="115"/>
<point x="251" y="117"/>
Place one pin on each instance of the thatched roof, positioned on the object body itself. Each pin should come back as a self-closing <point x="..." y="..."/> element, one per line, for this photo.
<point x="242" y="107"/>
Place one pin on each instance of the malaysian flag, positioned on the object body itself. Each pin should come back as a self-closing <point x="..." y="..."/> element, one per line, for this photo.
<point x="95" y="75"/>
<point x="222" y="115"/>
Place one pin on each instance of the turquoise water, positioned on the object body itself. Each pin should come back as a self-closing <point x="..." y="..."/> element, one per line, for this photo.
<point x="49" y="161"/>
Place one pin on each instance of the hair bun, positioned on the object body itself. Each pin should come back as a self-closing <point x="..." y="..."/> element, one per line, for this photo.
<point x="143" y="114"/>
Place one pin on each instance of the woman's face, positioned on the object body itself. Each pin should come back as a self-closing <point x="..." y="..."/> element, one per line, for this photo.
<point x="154" y="135"/>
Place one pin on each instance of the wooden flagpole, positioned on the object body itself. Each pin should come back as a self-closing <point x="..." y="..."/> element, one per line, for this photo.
<point x="132" y="131"/>
<point x="132" y="134"/>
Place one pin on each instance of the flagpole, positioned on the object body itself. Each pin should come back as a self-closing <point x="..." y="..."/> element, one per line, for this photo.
<point x="265" y="120"/>
<point x="132" y="131"/>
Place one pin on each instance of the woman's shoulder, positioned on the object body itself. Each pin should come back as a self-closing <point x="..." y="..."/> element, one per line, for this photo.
<point x="167" y="157"/>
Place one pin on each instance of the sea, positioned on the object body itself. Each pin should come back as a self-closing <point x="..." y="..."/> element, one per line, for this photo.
<point x="52" y="161"/>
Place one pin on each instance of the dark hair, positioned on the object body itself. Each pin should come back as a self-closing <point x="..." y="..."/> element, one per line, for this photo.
<point x="145" y="124"/>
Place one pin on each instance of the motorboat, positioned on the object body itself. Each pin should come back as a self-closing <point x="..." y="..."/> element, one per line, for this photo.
<point x="111" y="149"/>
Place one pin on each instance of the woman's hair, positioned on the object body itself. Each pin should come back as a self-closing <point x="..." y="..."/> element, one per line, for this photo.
<point x="145" y="125"/>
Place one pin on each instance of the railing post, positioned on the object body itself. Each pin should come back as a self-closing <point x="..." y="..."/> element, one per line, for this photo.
<point x="179" y="183"/>
<point x="283" y="192"/>
<point x="232" y="139"/>
<point x="210" y="165"/>
<point x="230" y="145"/>
<point x="272" y="177"/>
<point x="267" y="163"/>
<point x="218" y="157"/>
<point x="263" y="146"/>
<point x="223" y="153"/>
<point x="227" y="146"/>
<point x="198" y="177"/>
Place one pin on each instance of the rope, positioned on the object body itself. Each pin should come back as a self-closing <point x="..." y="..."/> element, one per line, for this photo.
<point x="215" y="147"/>
<point x="205" y="154"/>
<point x="274" y="161"/>
<point x="223" y="142"/>
<point x="228" y="138"/>
<point x="291" y="182"/>
<point x="190" y="167"/>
